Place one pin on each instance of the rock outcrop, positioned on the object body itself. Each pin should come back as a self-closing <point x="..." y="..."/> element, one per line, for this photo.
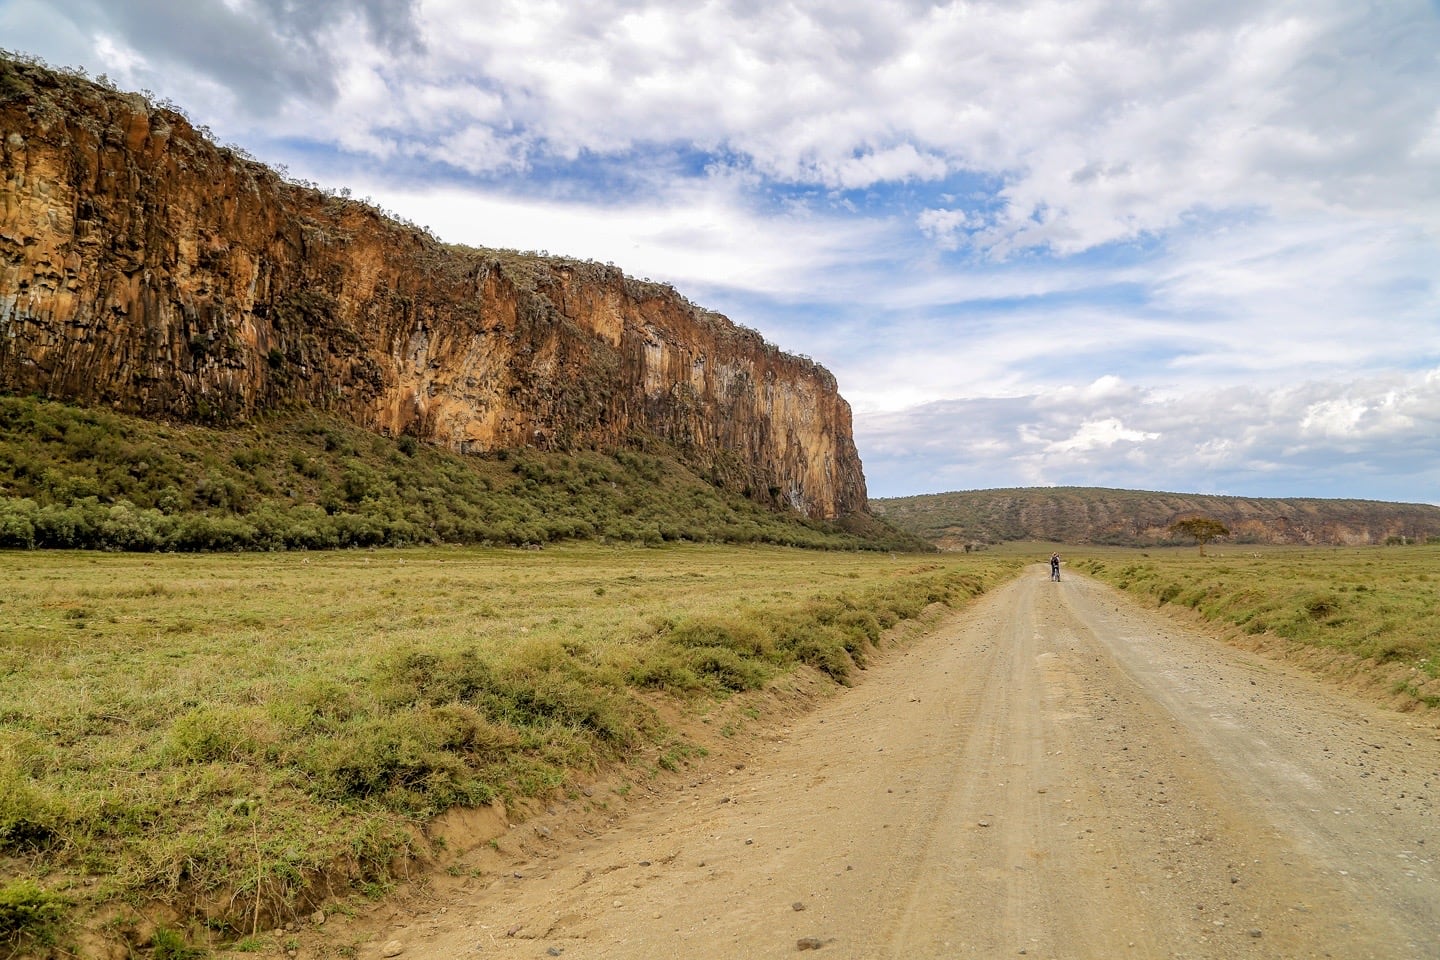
<point x="146" y="268"/>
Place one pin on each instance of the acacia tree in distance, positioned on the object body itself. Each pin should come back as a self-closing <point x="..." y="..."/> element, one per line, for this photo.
<point x="1201" y="529"/>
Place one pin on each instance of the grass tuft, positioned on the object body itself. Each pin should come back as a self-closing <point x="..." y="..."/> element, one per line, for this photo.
<point x="166" y="944"/>
<point x="29" y="916"/>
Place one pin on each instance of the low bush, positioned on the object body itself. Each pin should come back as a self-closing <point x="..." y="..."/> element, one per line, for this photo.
<point x="31" y="820"/>
<point x="29" y="916"/>
<point x="726" y="668"/>
<point x="167" y="944"/>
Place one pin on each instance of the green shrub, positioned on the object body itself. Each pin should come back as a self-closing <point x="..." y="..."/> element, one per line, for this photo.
<point x="666" y="671"/>
<point x="314" y="705"/>
<point x="166" y="944"/>
<point x="461" y="727"/>
<point x="862" y="623"/>
<point x="1321" y="606"/>
<point x="422" y="676"/>
<point x="30" y="819"/>
<point x="744" y="636"/>
<point x="28" y="913"/>
<point x="209" y="734"/>
<point x="398" y="758"/>
<point x="533" y="698"/>
<point x="80" y="478"/>
<point x="17" y="524"/>
<point x="727" y="668"/>
<point x="824" y="653"/>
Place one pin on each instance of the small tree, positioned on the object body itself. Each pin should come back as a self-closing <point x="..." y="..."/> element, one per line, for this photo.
<point x="1202" y="529"/>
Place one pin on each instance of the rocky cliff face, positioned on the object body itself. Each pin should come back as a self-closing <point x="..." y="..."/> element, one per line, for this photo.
<point x="143" y="267"/>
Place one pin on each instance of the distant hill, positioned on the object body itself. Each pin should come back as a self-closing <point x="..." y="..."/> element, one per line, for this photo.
<point x="1141" y="518"/>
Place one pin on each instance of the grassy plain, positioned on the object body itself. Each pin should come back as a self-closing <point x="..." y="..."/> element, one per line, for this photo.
<point x="1367" y="614"/>
<point x="241" y="734"/>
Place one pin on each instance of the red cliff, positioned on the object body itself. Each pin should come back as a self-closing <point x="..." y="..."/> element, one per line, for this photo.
<point x="143" y="267"/>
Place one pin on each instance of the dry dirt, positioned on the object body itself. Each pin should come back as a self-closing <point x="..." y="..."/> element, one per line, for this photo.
<point x="1053" y="772"/>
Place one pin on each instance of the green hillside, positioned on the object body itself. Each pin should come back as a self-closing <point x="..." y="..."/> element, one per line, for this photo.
<point x="72" y="477"/>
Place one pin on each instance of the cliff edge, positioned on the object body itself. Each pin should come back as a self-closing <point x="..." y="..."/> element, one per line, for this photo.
<point x="145" y="268"/>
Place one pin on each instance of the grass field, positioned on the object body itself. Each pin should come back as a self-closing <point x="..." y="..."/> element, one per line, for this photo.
<point x="1372" y="613"/>
<point x="241" y="734"/>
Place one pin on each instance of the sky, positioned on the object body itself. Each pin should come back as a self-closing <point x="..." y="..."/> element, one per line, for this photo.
<point x="1156" y="244"/>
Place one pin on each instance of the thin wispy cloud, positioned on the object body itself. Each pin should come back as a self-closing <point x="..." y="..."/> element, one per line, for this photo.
<point x="1178" y="245"/>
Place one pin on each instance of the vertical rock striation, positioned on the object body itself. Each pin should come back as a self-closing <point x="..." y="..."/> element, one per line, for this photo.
<point x="143" y="267"/>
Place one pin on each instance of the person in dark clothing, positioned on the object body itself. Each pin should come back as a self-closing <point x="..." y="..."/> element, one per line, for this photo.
<point x="1054" y="566"/>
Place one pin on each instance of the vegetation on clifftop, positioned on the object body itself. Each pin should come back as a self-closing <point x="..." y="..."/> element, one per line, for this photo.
<point x="72" y="477"/>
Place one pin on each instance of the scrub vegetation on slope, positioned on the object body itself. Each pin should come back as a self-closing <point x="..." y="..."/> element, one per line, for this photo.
<point x="81" y="477"/>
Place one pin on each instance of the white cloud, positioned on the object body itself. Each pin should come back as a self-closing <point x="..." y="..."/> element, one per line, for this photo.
<point x="1382" y="431"/>
<point x="1089" y="436"/>
<point x="691" y="236"/>
<point x="948" y="228"/>
<point x="1104" y="121"/>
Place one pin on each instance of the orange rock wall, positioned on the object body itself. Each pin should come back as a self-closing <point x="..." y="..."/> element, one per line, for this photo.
<point x="143" y="267"/>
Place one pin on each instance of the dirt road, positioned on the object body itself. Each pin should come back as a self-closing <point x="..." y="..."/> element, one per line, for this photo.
<point x="1054" y="772"/>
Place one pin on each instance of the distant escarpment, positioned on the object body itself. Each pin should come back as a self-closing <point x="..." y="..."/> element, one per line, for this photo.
<point x="146" y="269"/>
<point x="1139" y="518"/>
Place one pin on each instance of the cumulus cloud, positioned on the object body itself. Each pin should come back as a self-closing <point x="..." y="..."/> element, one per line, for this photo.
<point x="949" y="228"/>
<point x="1092" y="435"/>
<point x="1383" y="431"/>
<point x="262" y="53"/>
<point x="1102" y="122"/>
<point x="696" y="235"/>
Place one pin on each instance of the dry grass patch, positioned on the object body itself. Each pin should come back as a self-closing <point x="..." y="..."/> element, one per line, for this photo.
<point x="1372" y="613"/>
<point x="243" y="736"/>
